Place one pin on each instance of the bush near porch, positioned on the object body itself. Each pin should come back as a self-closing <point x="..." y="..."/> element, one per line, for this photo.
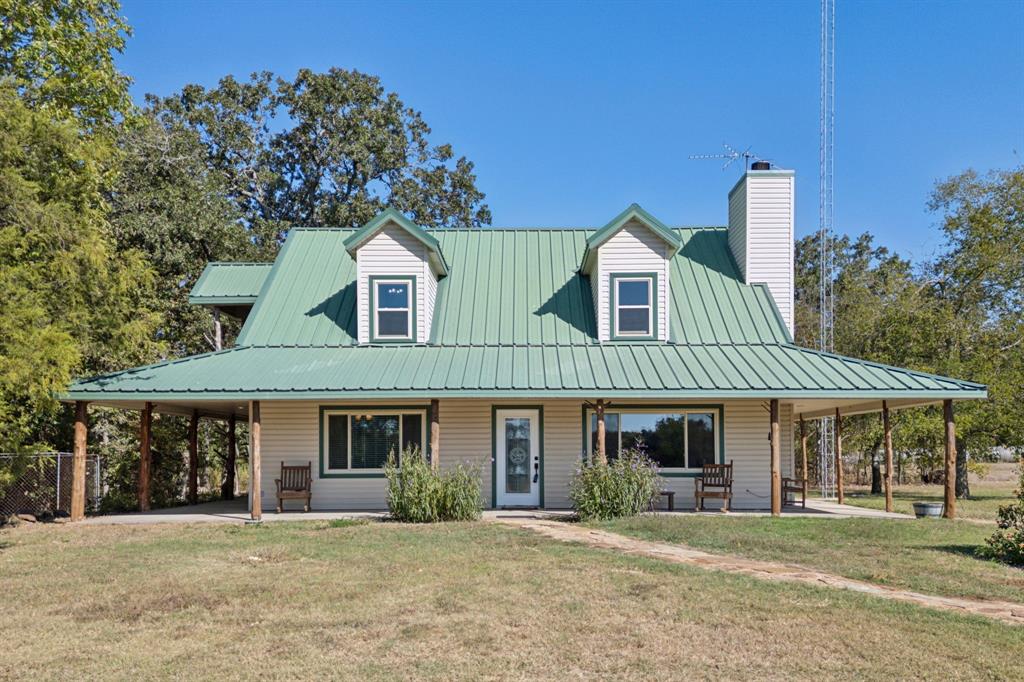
<point x="418" y="493"/>
<point x="626" y="486"/>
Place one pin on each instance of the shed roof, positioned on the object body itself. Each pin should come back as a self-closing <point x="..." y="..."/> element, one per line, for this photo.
<point x="229" y="283"/>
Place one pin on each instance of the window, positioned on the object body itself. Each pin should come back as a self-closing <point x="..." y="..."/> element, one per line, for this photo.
<point x="362" y="439"/>
<point x="394" y="314"/>
<point x="673" y="439"/>
<point x="632" y="306"/>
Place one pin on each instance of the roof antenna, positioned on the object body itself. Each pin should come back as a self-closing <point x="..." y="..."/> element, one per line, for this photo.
<point x="731" y="154"/>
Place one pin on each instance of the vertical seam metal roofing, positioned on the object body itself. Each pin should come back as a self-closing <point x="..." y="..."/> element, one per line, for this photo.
<point x="509" y="286"/>
<point x="608" y="369"/>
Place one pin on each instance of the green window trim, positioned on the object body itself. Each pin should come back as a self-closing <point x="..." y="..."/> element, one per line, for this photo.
<point x="413" y="332"/>
<point x="718" y="408"/>
<point x="328" y="410"/>
<point x="613" y="325"/>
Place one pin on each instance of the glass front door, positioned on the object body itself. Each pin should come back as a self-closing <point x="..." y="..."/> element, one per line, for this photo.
<point x="517" y="451"/>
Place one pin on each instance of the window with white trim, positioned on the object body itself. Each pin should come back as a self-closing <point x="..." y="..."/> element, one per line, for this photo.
<point x="355" y="440"/>
<point x="673" y="439"/>
<point x="634" y="306"/>
<point x="393" y="318"/>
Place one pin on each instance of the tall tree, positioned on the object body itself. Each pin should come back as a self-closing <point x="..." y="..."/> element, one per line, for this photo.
<point x="59" y="54"/>
<point x="325" y="149"/>
<point x="70" y="303"/>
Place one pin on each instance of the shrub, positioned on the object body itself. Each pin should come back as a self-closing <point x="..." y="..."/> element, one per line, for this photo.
<point x="419" y="494"/>
<point x="625" y="487"/>
<point x="1007" y="543"/>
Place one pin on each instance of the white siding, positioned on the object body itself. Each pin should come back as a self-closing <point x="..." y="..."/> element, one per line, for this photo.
<point x="634" y="248"/>
<point x="761" y="216"/>
<point x="392" y="251"/>
<point x="738" y="226"/>
<point x="291" y="435"/>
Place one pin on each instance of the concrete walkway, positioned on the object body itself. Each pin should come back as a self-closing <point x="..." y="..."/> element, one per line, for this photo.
<point x="236" y="511"/>
<point x="1007" y="612"/>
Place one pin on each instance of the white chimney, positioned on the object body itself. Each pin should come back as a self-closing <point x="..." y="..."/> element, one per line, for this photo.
<point x="761" y="208"/>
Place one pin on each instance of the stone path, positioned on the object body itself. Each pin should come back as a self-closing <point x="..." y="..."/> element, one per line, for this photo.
<point x="1006" y="612"/>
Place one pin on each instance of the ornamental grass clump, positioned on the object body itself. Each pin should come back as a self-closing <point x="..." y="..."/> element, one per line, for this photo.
<point x="626" y="486"/>
<point x="1007" y="543"/>
<point x="419" y="494"/>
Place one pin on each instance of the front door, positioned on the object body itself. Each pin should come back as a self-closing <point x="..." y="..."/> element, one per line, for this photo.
<point x="517" y="458"/>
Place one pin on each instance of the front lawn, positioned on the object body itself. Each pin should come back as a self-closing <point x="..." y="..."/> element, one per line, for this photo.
<point x="469" y="601"/>
<point x="930" y="556"/>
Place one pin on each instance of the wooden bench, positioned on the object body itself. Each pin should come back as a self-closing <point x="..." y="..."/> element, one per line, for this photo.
<point x="715" y="482"/>
<point x="795" y="486"/>
<point x="295" y="484"/>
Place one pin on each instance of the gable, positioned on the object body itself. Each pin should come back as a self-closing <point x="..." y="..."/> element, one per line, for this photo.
<point x="508" y="287"/>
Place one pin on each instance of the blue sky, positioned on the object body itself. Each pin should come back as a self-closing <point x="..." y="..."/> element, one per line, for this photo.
<point x="571" y="111"/>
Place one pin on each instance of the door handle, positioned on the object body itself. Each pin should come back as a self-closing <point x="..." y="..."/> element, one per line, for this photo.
<point x="536" y="470"/>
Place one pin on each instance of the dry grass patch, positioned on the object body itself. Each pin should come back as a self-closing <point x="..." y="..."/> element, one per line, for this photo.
<point x="459" y="601"/>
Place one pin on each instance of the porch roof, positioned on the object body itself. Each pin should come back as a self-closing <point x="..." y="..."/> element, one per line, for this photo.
<point x="653" y="370"/>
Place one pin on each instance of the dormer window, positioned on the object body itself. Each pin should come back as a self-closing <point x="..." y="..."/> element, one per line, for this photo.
<point x="393" y="310"/>
<point x="632" y="305"/>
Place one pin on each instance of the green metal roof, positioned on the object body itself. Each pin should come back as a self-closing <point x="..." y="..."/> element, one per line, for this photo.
<point x="514" y="317"/>
<point x="229" y="283"/>
<point x="607" y="370"/>
<point x="508" y="287"/>
<point x="632" y="212"/>
<point x="393" y="216"/>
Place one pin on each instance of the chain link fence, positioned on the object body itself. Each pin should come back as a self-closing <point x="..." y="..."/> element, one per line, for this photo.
<point x="41" y="483"/>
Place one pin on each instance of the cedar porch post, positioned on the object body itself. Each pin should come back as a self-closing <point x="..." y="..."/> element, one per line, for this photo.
<point x="776" y="457"/>
<point x="145" y="428"/>
<point x="887" y="427"/>
<point x="601" y="456"/>
<point x="193" y="458"/>
<point x="255" y="492"/>
<point x="803" y="450"/>
<point x="78" y="463"/>
<point x="949" y="511"/>
<point x="435" y="433"/>
<point x="839" y="456"/>
<point x="227" y="488"/>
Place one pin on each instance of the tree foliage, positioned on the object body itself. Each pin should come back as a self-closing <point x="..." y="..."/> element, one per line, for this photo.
<point x="59" y="54"/>
<point x="70" y="302"/>
<point x="327" y="148"/>
<point x="957" y="315"/>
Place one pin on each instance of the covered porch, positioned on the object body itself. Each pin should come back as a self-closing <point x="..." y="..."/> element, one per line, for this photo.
<point x="796" y="473"/>
<point x="237" y="511"/>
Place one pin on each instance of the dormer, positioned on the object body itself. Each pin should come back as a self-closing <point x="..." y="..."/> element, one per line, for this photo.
<point x="398" y="265"/>
<point x="628" y="262"/>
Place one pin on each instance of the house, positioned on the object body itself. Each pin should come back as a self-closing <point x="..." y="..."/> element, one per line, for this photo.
<point x="494" y="347"/>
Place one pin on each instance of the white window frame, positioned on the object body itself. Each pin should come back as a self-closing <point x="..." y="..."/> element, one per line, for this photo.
<point x="618" y="279"/>
<point x="683" y="412"/>
<point x="349" y="413"/>
<point x="410" y="283"/>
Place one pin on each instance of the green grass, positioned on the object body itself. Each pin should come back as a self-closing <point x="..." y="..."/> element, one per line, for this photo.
<point x="459" y="601"/>
<point x="931" y="556"/>
<point x="988" y="493"/>
<point x="983" y="504"/>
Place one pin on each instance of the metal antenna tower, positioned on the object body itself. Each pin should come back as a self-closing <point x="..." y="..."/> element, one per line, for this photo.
<point x="826" y="224"/>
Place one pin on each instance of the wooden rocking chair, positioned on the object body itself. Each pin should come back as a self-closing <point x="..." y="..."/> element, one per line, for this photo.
<point x="295" y="484"/>
<point x="715" y="481"/>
